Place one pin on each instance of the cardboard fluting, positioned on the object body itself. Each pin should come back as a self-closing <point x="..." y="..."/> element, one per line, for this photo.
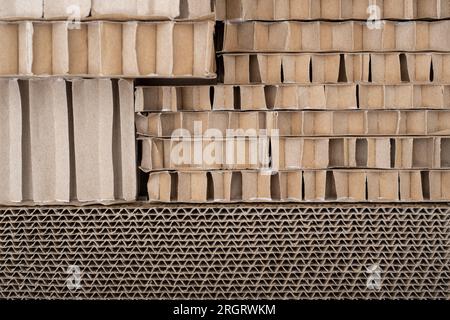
<point x="76" y="10"/>
<point x="113" y="49"/>
<point x="292" y="97"/>
<point x="291" y="36"/>
<point x="66" y="141"/>
<point x="303" y="68"/>
<point x="288" y="153"/>
<point x="300" y="186"/>
<point x="296" y="123"/>
<point x="331" y="9"/>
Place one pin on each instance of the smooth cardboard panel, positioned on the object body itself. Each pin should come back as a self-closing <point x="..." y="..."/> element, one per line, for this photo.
<point x="67" y="141"/>
<point x="306" y="68"/>
<point x="291" y="36"/>
<point x="134" y="49"/>
<point x="331" y="9"/>
<point x="152" y="9"/>
<point x="62" y="9"/>
<point x="299" y="186"/>
<point x="21" y="9"/>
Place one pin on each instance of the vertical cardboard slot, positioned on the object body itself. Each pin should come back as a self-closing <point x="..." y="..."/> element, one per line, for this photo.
<point x="425" y="177"/>
<point x="445" y="153"/>
<point x="330" y="193"/>
<point x="337" y="153"/>
<point x="255" y="70"/>
<point x="393" y="151"/>
<point x="404" y="71"/>
<point x="236" y="186"/>
<point x="275" y="187"/>
<point x="361" y="153"/>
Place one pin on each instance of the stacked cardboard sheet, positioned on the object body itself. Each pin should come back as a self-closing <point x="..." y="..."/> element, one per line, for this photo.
<point x="106" y="9"/>
<point x="278" y="10"/>
<point x="66" y="141"/>
<point x="112" y="49"/>
<point x="308" y="111"/>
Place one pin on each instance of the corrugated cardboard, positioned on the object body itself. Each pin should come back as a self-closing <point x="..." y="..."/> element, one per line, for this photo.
<point x="77" y="10"/>
<point x="290" y="36"/>
<point x="300" y="186"/>
<point x="299" y="123"/>
<point x="21" y="9"/>
<point x="134" y="49"/>
<point x="292" y="97"/>
<point x="73" y="9"/>
<point x="152" y="9"/>
<point x="103" y="140"/>
<point x="67" y="141"/>
<point x="303" y="68"/>
<point x="331" y="9"/>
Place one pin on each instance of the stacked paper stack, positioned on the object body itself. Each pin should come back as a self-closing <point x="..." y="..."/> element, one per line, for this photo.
<point x="309" y="110"/>
<point x="65" y="139"/>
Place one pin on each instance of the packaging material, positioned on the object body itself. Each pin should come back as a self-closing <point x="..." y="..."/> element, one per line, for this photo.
<point x="291" y="36"/>
<point x="331" y="9"/>
<point x="299" y="186"/>
<point x="293" y="153"/>
<point x="21" y="9"/>
<point x="79" y="10"/>
<point x="152" y="9"/>
<point x="240" y="241"/>
<point x="74" y="10"/>
<point x="292" y="97"/>
<point x="134" y="49"/>
<point x="298" y="123"/>
<point x="304" y="68"/>
<point x="67" y="141"/>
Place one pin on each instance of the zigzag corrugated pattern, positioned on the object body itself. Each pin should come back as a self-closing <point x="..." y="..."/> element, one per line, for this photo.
<point x="225" y="252"/>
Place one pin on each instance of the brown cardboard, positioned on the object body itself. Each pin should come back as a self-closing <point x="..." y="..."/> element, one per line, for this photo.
<point x="152" y="9"/>
<point x="134" y="49"/>
<point x="382" y="68"/>
<point x="103" y="141"/>
<point x="49" y="140"/>
<point x="58" y="9"/>
<point x="383" y="186"/>
<point x="11" y="145"/>
<point x="291" y="36"/>
<point x="21" y="9"/>
<point x="330" y="9"/>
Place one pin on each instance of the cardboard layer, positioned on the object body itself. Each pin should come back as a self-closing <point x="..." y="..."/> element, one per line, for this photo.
<point x="291" y="97"/>
<point x="331" y="9"/>
<point x="299" y="186"/>
<point x="348" y="36"/>
<point x="293" y="153"/>
<point x="102" y="49"/>
<point x="304" y="68"/>
<point x="64" y="141"/>
<point x="78" y="10"/>
<point x="296" y="123"/>
<point x="152" y="9"/>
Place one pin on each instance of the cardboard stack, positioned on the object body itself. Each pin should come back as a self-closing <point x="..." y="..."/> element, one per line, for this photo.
<point x="308" y="110"/>
<point x="68" y="139"/>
